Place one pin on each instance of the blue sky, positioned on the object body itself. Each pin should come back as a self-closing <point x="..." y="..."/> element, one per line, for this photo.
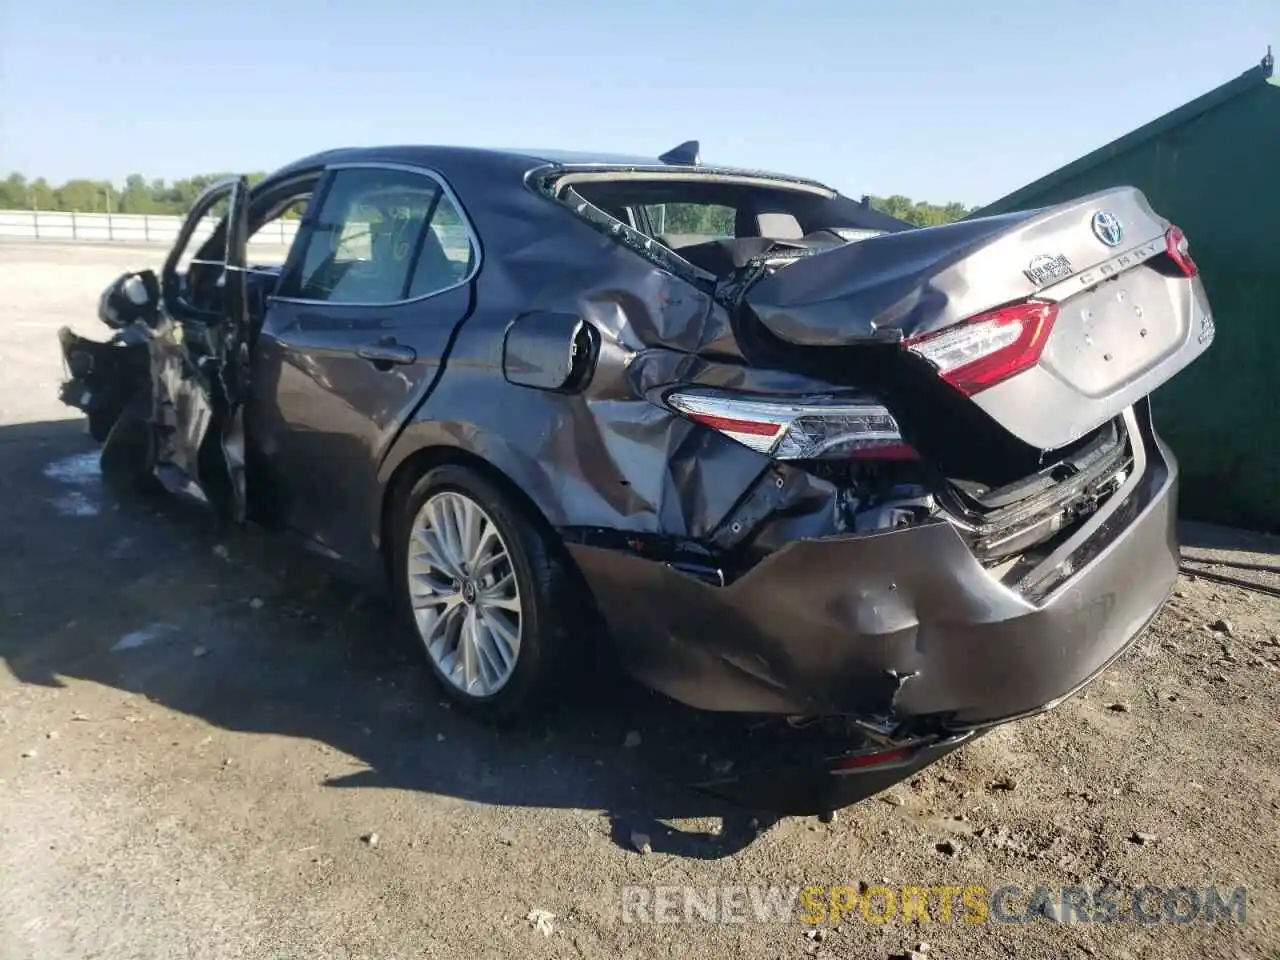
<point x="938" y="100"/>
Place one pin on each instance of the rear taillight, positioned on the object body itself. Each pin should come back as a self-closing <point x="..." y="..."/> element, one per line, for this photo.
<point x="989" y="348"/>
<point x="797" y="429"/>
<point x="1175" y="244"/>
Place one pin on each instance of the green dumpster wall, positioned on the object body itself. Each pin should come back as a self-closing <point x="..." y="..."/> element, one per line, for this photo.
<point x="1212" y="167"/>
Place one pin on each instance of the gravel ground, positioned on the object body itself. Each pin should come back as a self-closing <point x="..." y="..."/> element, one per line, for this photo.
<point x="210" y="749"/>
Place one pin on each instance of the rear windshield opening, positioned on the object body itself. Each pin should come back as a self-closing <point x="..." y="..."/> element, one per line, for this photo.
<point x="717" y="225"/>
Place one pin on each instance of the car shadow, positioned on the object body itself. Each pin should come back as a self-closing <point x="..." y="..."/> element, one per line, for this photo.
<point x="282" y="647"/>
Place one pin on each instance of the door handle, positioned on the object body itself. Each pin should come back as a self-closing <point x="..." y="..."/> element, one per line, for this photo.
<point x="386" y="353"/>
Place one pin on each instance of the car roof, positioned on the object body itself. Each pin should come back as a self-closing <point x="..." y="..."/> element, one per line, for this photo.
<point x="502" y="160"/>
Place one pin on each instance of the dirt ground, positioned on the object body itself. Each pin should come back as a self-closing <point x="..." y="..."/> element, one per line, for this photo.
<point x="201" y="735"/>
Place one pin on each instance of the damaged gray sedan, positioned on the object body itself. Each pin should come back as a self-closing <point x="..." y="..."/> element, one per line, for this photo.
<point x="783" y="454"/>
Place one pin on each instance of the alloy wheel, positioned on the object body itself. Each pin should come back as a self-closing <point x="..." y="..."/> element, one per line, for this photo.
<point x="464" y="594"/>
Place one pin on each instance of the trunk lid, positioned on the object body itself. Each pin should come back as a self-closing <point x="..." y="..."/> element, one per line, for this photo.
<point x="1127" y="320"/>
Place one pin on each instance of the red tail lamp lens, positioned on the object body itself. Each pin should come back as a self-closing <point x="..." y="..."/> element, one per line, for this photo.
<point x="989" y="348"/>
<point x="1176" y="245"/>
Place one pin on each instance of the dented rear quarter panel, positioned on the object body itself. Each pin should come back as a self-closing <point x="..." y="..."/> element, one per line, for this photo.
<point x="602" y="456"/>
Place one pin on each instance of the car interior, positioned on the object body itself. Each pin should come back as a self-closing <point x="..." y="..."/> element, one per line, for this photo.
<point x="721" y="227"/>
<point x="365" y="263"/>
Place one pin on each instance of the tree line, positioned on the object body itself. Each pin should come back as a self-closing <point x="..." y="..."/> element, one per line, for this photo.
<point x="919" y="212"/>
<point x="159" y="196"/>
<point x="139" y="195"/>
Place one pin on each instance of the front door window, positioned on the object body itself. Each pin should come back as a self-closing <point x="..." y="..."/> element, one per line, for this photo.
<point x="381" y="236"/>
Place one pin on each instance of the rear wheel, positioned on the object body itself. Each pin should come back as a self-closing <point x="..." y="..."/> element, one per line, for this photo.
<point x="484" y="593"/>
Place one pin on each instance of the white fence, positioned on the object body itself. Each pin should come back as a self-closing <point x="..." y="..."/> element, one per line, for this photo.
<point x="122" y="228"/>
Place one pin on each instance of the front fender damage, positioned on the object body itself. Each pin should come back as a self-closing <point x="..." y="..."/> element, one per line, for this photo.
<point x="197" y="423"/>
<point x="154" y="375"/>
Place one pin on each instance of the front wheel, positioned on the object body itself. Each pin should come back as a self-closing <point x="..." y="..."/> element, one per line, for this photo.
<point x="485" y="593"/>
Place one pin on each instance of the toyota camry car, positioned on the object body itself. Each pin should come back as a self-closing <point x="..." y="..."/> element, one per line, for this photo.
<point x="776" y="452"/>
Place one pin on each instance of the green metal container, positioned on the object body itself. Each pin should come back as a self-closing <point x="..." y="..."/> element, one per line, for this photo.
<point x="1212" y="166"/>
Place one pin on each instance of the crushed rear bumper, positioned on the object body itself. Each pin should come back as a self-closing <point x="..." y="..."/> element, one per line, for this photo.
<point x="904" y="629"/>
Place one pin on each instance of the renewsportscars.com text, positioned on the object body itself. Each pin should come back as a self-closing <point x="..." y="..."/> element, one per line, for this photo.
<point x="1008" y="903"/>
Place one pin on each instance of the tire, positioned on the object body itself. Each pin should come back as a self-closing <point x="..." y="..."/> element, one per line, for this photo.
<point x="549" y="653"/>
